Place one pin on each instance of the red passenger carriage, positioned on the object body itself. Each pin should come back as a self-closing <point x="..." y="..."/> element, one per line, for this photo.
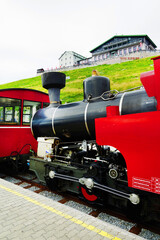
<point x="17" y="106"/>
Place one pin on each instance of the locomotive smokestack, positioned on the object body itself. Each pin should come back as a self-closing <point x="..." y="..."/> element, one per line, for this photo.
<point x="53" y="81"/>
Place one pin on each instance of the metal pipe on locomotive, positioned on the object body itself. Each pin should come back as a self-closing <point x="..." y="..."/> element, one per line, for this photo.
<point x="85" y="150"/>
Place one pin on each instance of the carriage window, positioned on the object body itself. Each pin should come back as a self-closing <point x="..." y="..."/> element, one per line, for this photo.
<point x="29" y="109"/>
<point x="45" y="104"/>
<point x="10" y="111"/>
<point x="1" y="114"/>
<point x="8" y="114"/>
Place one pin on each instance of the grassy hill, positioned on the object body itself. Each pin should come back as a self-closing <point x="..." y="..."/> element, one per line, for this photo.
<point x="122" y="76"/>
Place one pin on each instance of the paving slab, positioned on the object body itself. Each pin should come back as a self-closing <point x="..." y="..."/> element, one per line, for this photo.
<point x="28" y="215"/>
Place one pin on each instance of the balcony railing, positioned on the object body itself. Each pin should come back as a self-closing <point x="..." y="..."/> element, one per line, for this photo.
<point x="116" y="48"/>
<point x="113" y="44"/>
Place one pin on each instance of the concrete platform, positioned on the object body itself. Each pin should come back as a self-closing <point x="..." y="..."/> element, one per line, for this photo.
<point x="27" y="215"/>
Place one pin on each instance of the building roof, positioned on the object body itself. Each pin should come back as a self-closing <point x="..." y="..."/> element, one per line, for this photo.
<point x="74" y="54"/>
<point x="120" y="36"/>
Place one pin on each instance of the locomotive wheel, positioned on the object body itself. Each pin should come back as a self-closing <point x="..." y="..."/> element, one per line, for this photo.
<point x="89" y="196"/>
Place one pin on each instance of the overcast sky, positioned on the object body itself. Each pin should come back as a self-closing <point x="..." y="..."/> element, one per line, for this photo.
<point x="34" y="33"/>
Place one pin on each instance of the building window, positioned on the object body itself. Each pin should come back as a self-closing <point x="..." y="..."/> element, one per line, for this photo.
<point x="125" y="51"/>
<point x="134" y="49"/>
<point x="120" y="52"/>
<point x="130" y="50"/>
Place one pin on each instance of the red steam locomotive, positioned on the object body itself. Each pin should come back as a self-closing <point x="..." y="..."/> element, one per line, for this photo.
<point x="105" y="147"/>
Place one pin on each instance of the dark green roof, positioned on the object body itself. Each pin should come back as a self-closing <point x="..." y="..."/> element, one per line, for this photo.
<point x="117" y="36"/>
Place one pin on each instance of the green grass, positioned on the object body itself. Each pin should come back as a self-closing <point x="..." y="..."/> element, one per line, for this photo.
<point x="122" y="76"/>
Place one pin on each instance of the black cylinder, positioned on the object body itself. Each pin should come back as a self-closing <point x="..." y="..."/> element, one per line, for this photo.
<point x="76" y="121"/>
<point x="53" y="80"/>
<point x="95" y="86"/>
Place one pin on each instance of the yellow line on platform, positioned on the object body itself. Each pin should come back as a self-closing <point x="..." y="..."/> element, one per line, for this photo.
<point x="66" y="216"/>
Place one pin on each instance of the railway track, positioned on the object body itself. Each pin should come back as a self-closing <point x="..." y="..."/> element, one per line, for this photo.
<point x="30" y="182"/>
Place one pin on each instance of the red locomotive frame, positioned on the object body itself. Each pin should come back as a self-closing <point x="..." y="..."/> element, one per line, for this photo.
<point x="15" y="134"/>
<point x="136" y="136"/>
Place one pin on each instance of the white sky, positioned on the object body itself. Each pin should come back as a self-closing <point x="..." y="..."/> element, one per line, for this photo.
<point x="34" y="33"/>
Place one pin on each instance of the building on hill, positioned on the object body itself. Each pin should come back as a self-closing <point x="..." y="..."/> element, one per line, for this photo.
<point x="122" y="45"/>
<point x="69" y="58"/>
<point x="117" y="49"/>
